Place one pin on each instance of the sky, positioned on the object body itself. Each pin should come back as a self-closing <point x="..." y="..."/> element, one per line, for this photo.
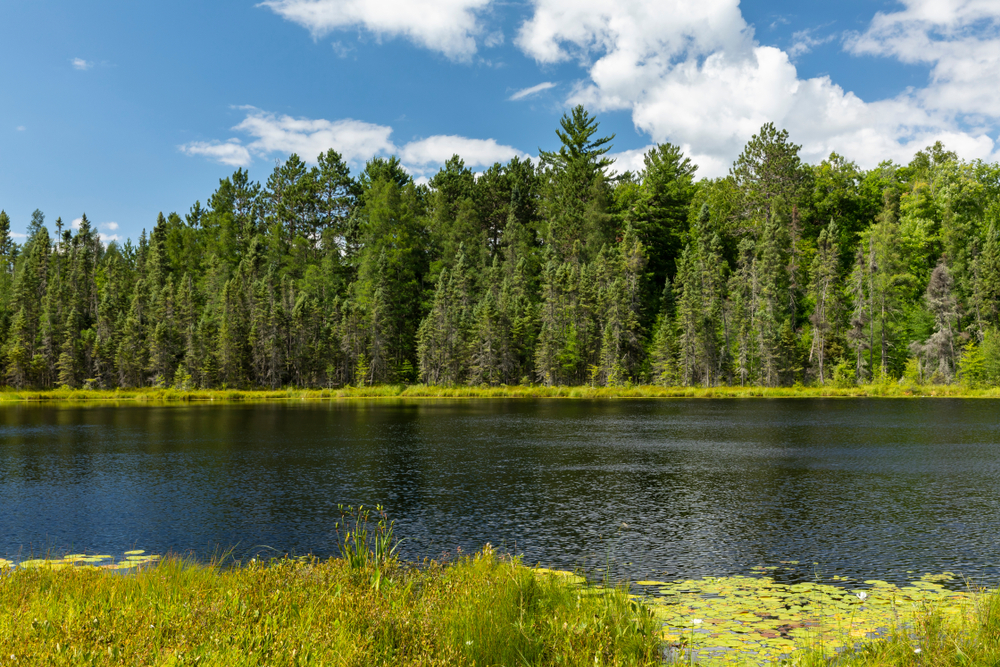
<point x="122" y="109"/>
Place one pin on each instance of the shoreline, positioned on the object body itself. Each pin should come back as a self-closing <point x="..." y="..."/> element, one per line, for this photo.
<point x="154" y="395"/>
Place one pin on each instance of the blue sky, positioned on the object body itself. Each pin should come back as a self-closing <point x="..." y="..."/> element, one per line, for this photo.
<point x="123" y="109"/>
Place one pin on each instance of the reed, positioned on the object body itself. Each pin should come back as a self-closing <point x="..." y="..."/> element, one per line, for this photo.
<point x="931" y="635"/>
<point x="474" y="610"/>
<point x="383" y="392"/>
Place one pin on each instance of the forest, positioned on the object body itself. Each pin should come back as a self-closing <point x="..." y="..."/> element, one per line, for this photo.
<point x="560" y="272"/>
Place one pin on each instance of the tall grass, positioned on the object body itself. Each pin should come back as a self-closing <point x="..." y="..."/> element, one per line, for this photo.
<point x="929" y="636"/>
<point x="154" y="395"/>
<point x="476" y="610"/>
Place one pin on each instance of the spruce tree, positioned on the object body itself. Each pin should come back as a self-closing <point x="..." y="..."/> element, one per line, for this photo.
<point x="824" y="295"/>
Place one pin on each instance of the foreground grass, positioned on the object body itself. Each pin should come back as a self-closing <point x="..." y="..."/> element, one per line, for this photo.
<point x="480" y="610"/>
<point x="515" y="391"/>
<point x="753" y="620"/>
<point x="930" y="636"/>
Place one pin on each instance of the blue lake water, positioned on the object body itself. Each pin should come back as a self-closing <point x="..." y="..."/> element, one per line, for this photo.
<point x="654" y="489"/>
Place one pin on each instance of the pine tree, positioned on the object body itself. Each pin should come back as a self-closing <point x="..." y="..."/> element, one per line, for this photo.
<point x="663" y="348"/>
<point x="986" y="279"/>
<point x="702" y="325"/>
<point x="940" y="350"/>
<point x="620" y="276"/>
<point x="861" y="315"/>
<point x="575" y="190"/>
<point x="887" y="277"/>
<point x="772" y="307"/>
<point x="743" y="289"/>
<point x="824" y="295"/>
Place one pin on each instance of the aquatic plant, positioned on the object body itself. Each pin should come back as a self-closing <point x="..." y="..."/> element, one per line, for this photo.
<point x="756" y="619"/>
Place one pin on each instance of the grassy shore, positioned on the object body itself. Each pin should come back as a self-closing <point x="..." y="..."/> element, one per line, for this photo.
<point x="479" y="610"/>
<point x="517" y="391"/>
<point x="930" y="636"/>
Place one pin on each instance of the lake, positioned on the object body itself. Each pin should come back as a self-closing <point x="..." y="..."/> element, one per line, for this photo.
<point x="653" y="489"/>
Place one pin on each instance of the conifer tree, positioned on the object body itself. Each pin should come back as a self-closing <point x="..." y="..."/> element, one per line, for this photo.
<point x="575" y="191"/>
<point x="824" y="295"/>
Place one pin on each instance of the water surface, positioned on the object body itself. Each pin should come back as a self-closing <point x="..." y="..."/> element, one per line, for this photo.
<point x="657" y="489"/>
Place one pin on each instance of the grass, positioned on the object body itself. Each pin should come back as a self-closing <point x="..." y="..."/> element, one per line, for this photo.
<point x="930" y="636"/>
<point x="156" y="395"/>
<point x="475" y="610"/>
<point x="747" y="620"/>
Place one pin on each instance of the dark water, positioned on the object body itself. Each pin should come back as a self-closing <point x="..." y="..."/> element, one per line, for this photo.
<point x="865" y="488"/>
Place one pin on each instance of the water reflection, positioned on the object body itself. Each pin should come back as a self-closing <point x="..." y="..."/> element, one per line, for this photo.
<point x="658" y="489"/>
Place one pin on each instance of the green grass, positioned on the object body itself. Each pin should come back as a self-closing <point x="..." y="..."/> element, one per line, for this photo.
<point x="744" y="620"/>
<point x="515" y="391"/>
<point x="479" y="610"/>
<point x="929" y="636"/>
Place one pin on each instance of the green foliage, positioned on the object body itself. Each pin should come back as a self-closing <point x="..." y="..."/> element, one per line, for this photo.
<point x="552" y="273"/>
<point x="473" y="610"/>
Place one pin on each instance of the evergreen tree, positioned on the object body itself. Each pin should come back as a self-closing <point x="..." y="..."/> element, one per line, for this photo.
<point x="575" y="189"/>
<point x="939" y="351"/>
<point x="824" y="296"/>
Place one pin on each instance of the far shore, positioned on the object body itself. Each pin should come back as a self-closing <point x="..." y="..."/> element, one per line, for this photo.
<point x="157" y="395"/>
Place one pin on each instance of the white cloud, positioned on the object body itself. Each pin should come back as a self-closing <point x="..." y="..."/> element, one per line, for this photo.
<point x="494" y="39"/>
<point x="228" y="152"/>
<point x="18" y="235"/>
<point x="692" y="74"/>
<point x="528" y="92"/>
<point x="803" y="42"/>
<point x="565" y="29"/>
<point x="631" y="160"/>
<point x="960" y="39"/>
<point x="81" y="64"/>
<point x="356" y="141"/>
<point x="105" y="238"/>
<point x="475" y="152"/>
<point x="342" y="50"/>
<point x="447" y="26"/>
<point x="21" y="128"/>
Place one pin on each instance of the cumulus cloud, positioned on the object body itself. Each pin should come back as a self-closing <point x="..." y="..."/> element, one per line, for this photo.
<point x="447" y="26"/>
<point x="227" y="152"/>
<point x="353" y="139"/>
<point x="109" y="226"/>
<point x="356" y="141"/>
<point x="959" y="39"/>
<point x="475" y="152"/>
<point x="81" y="64"/>
<point x="280" y="134"/>
<point x="692" y="74"/>
<point x="528" y="92"/>
<point x="631" y="160"/>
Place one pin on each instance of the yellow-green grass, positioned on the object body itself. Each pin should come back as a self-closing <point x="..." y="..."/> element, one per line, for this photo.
<point x="479" y="610"/>
<point x="932" y="634"/>
<point x="154" y="395"/>
<point x="757" y="620"/>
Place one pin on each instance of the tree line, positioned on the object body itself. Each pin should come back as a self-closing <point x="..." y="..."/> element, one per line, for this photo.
<point x="559" y="273"/>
